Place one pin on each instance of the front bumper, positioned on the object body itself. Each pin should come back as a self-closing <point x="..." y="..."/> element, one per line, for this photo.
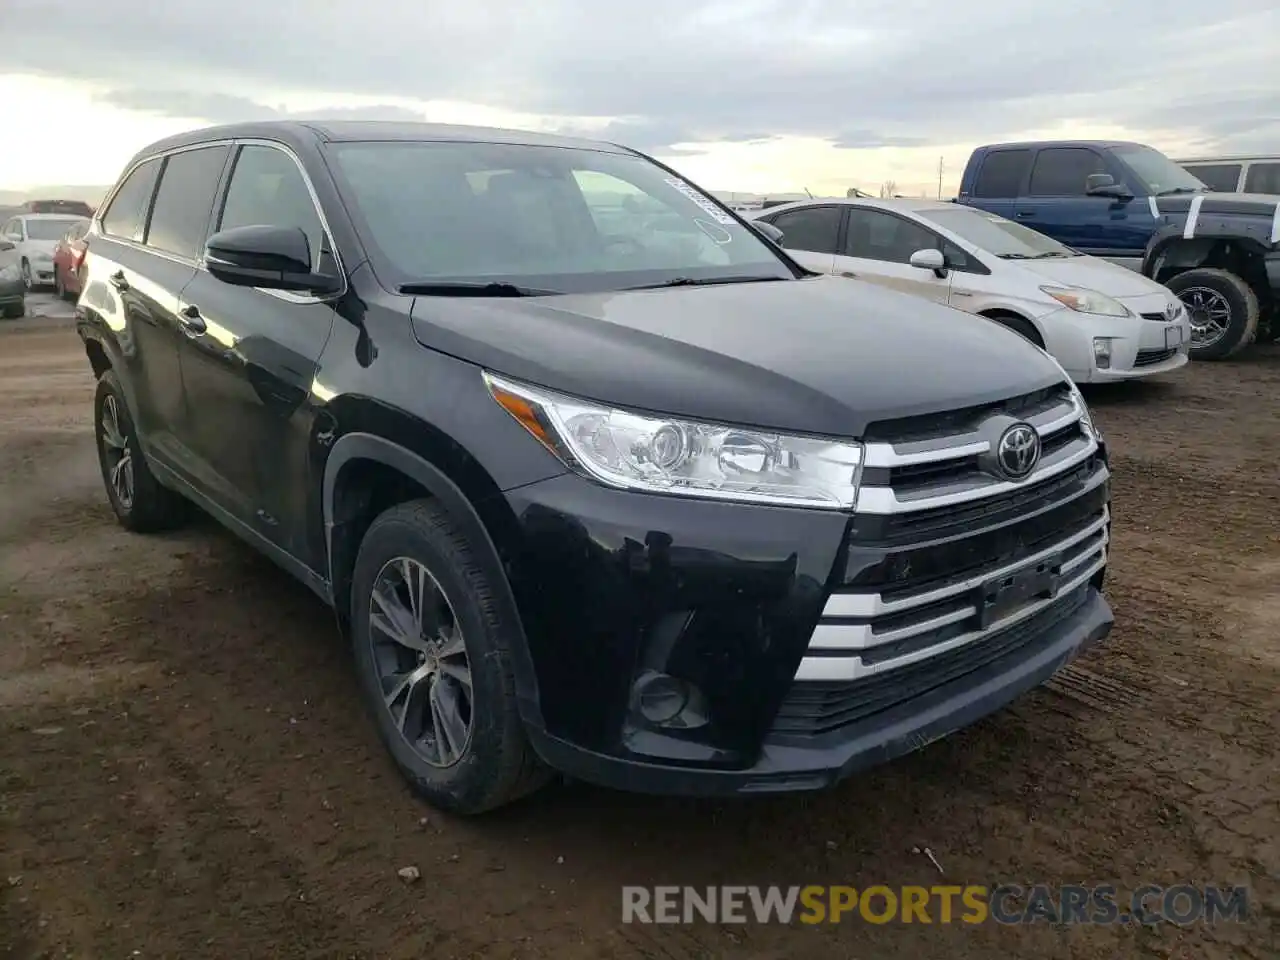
<point x="817" y="643"/>
<point x="787" y="764"/>
<point x="1141" y="346"/>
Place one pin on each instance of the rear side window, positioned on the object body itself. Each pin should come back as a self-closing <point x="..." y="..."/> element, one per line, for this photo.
<point x="1002" y="173"/>
<point x="1062" y="172"/>
<point x="1222" y="177"/>
<point x="127" y="214"/>
<point x="1263" y="178"/>
<point x="813" y="228"/>
<point x="267" y="188"/>
<point x="180" y="217"/>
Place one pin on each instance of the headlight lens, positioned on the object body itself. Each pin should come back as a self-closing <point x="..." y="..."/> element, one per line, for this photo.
<point x="1085" y="416"/>
<point x="1087" y="301"/>
<point x="665" y="455"/>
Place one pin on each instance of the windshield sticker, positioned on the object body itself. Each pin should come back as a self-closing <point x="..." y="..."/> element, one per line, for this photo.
<point x="717" y="233"/>
<point x="708" y="207"/>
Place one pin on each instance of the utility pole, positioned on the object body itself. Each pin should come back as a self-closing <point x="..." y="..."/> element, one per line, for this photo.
<point x="940" y="167"/>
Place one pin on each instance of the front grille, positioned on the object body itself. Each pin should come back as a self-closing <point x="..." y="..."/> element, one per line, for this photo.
<point x="813" y="709"/>
<point x="1147" y="358"/>
<point x="948" y="561"/>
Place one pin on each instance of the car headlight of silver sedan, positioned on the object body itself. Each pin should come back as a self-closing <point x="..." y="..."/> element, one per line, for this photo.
<point x="657" y="454"/>
<point x="1083" y="300"/>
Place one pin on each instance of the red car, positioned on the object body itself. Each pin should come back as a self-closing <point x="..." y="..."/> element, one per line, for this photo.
<point x="68" y="257"/>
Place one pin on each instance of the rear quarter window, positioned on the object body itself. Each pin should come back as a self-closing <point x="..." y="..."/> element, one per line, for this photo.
<point x="126" y="215"/>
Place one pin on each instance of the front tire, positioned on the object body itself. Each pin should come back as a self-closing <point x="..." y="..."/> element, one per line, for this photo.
<point x="1224" y="312"/>
<point x="433" y="654"/>
<point x="137" y="498"/>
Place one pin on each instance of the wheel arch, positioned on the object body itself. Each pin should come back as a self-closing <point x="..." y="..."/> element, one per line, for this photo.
<point x="1007" y="313"/>
<point x="103" y="354"/>
<point x="367" y="472"/>
<point x="1170" y="253"/>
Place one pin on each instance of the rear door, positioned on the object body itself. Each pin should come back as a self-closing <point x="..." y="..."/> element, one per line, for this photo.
<point x="877" y="247"/>
<point x="144" y="259"/>
<point x="1000" y="180"/>
<point x="249" y="369"/>
<point x="810" y="234"/>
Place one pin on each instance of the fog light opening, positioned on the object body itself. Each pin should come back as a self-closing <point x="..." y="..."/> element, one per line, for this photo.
<point x="1102" y="352"/>
<point x="669" y="702"/>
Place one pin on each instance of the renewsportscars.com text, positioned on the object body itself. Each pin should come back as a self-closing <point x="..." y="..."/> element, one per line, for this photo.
<point x="1182" y="904"/>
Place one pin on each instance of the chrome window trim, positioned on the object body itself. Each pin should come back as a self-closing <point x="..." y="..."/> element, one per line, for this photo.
<point x="198" y="263"/>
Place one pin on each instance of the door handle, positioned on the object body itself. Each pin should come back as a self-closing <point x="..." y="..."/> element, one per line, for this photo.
<point x="192" y="320"/>
<point x="961" y="293"/>
<point x="118" y="280"/>
<point x="849" y="273"/>
<point x="1026" y="213"/>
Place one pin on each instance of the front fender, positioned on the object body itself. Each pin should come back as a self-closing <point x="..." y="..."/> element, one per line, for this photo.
<point x="367" y="446"/>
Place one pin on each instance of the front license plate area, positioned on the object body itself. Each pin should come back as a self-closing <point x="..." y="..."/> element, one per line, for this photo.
<point x="1002" y="596"/>
<point x="1172" y="336"/>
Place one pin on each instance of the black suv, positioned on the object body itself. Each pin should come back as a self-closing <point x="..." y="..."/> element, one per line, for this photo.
<point x="596" y="478"/>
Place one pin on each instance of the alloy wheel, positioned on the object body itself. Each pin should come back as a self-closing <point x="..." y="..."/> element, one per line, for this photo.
<point x="420" y="660"/>
<point x="1210" y="315"/>
<point x="116" y="453"/>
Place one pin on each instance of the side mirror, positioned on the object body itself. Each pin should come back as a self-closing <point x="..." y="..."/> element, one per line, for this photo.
<point x="274" y="258"/>
<point x="930" y="259"/>
<point x="1104" y="185"/>
<point x="767" y="230"/>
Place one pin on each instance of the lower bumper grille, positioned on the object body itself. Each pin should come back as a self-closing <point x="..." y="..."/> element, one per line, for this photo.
<point x="816" y="708"/>
<point x="1147" y="358"/>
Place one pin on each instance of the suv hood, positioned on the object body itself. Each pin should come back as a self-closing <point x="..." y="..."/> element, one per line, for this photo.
<point x="821" y="356"/>
<point x="1093" y="273"/>
<point x="1222" y="204"/>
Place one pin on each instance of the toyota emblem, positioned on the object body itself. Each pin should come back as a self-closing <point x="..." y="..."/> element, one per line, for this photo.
<point x="1018" y="451"/>
<point x="1172" y="309"/>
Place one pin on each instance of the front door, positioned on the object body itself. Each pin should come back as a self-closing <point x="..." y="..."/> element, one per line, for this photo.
<point x="878" y="246"/>
<point x="250" y="367"/>
<point x="1056" y="204"/>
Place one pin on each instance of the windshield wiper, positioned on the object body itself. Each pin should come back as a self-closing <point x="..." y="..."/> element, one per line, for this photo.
<point x="1170" y="192"/>
<point x="464" y="288"/>
<point x="704" y="282"/>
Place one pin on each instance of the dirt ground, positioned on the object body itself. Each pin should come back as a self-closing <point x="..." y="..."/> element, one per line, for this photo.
<point x="185" y="770"/>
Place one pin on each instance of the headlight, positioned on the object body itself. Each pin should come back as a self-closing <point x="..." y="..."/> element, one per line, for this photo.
<point x="663" y="455"/>
<point x="1085" y="416"/>
<point x="1087" y="301"/>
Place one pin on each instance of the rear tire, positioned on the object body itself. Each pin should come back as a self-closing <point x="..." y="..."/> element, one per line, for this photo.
<point x="16" y="311"/>
<point x="137" y="498"/>
<point x="478" y="758"/>
<point x="1221" y="305"/>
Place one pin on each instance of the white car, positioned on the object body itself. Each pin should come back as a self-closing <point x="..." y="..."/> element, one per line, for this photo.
<point x="35" y="235"/>
<point x="1098" y="320"/>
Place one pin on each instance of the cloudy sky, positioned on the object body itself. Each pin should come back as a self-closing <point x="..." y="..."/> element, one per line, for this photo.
<point x="750" y="95"/>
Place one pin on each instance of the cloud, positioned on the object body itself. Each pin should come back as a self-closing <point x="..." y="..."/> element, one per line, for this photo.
<point x="880" y="73"/>
<point x="229" y="108"/>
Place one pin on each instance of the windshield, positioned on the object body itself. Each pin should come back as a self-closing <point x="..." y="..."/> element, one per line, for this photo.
<point x="556" y="219"/>
<point x="1156" y="171"/>
<point x="996" y="235"/>
<point x="50" y="229"/>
